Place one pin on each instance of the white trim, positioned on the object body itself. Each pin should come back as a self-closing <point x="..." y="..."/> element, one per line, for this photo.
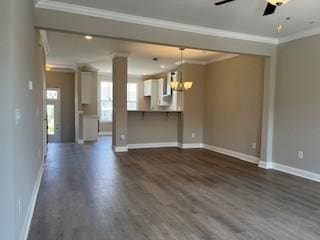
<point x="241" y="156"/>
<point x="190" y="62"/>
<point x="130" y="75"/>
<point x="44" y="41"/>
<point x="118" y="149"/>
<point x="152" y="145"/>
<point x="80" y="141"/>
<point x="119" y="54"/>
<point x="190" y="145"/>
<point x="265" y="165"/>
<point x="222" y="58"/>
<point x="105" y="133"/>
<point x="122" y="17"/>
<point x="28" y="218"/>
<point x="57" y="67"/>
<point x="299" y="35"/>
<point x="297" y="172"/>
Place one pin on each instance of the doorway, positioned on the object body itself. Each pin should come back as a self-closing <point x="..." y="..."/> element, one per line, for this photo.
<point x="53" y="115"/>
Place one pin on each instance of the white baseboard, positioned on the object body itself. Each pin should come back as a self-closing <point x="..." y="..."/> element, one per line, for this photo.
<point x="28" y="218"/>
<point x="80" y="141"/>
<point x="234" y="154"/>
<point x="152" y="145"/>
<point x="119" y="149"/>
<point x="105" y="133"/>
<point x="297" y="172"/>
<point x="265" y="165"/>
<point x="190" y="145"/>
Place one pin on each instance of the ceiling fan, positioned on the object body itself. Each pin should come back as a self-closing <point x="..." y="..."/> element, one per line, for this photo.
<point x="270" y="9"/>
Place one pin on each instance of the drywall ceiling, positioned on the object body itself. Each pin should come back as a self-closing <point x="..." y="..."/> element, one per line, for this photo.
<point x="242" y="16"/>
<point x="71" y="50"/>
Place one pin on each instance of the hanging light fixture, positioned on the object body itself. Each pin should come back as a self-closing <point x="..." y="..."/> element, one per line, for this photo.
<point x="278" y="2"/>
<point x="180" y="85"/>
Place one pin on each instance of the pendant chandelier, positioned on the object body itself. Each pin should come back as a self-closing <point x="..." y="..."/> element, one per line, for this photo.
<point x="278" y="2"/>
<point x="180" y="85"/>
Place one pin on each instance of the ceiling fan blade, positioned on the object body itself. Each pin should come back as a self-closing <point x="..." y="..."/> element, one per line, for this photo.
<point x="270" y="9"/>
<point x="223" y="2"/>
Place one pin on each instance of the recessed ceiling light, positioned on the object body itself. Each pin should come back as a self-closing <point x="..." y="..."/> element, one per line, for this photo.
<point x="88" y="37"/>
<point x="162" y="66"/>
<point x="144" y="74"/>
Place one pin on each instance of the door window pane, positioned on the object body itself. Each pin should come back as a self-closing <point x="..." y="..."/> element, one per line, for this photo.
<point x="52" y="94"/>
<point x="50" y="117"/>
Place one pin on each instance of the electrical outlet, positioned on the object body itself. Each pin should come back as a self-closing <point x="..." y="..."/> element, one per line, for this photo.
<point x="254" y="145"/>
<point x="19" y="206"/>
<point x="193" y="135"/>
<point x="300" y="154"/>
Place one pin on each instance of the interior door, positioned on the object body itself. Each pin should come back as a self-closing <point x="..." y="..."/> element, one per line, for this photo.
<point x="53" y="115"/>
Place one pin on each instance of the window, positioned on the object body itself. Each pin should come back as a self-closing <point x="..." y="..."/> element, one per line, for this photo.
<point x="106" y="99"/>
<point x="132" y="96"/>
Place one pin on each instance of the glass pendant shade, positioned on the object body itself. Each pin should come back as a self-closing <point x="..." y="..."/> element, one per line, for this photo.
<point x="278" y="2"/>
<point x="187" y="85"/>
<point x="174" y="84"/>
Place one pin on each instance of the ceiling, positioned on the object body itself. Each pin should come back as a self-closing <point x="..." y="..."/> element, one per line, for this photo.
<point x="69" y="50"/>
<point x="243" y="16"/>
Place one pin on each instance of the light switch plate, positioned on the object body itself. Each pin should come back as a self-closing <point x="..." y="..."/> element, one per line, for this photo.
<point x="300" y="154"/>
<point x="17" y="116"/>
<point x="30" y="85"/>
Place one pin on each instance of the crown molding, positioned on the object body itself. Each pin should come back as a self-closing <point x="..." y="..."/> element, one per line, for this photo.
<point x="119" y="54"/>
<point x="109" y="74"/>
<point x="222" y="58"/>
<point x="299" y="35"/>
<point x="122" y="17"/>
<point x="61" y="68"/>
<point x="44" y="41"/>
<point x="190" y="62"/>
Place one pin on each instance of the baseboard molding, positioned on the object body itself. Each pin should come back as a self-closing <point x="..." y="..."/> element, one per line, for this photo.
<point x="32" y="204"/>
<point x="190" y="145"/>
<point x="105" y="133"/>
<point x="119" y="149"/>
<point x="80" y="141"/>
<point x="152" y="145"/>
<point x="234" y="154"/>
<point x="296" y="171"/>
<point x="265" y="165"/>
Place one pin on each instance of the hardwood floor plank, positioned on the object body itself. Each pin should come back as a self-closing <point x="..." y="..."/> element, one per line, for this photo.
<point x="89" y="192"/>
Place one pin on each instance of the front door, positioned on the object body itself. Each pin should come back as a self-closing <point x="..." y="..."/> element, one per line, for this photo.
<point x="53" y="115"/>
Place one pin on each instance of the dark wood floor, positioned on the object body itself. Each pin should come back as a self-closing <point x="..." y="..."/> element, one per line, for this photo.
<point x="88" y="192"/>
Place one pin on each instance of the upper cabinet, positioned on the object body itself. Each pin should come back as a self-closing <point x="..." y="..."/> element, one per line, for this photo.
<point x="86" y="87"/>
<point x="147" y="88"/>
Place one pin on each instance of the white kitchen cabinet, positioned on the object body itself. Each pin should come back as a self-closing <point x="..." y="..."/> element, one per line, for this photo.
<point x="147" y="88"/>
<point x="86" y="87"/>
<point x="90" y="128"/>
